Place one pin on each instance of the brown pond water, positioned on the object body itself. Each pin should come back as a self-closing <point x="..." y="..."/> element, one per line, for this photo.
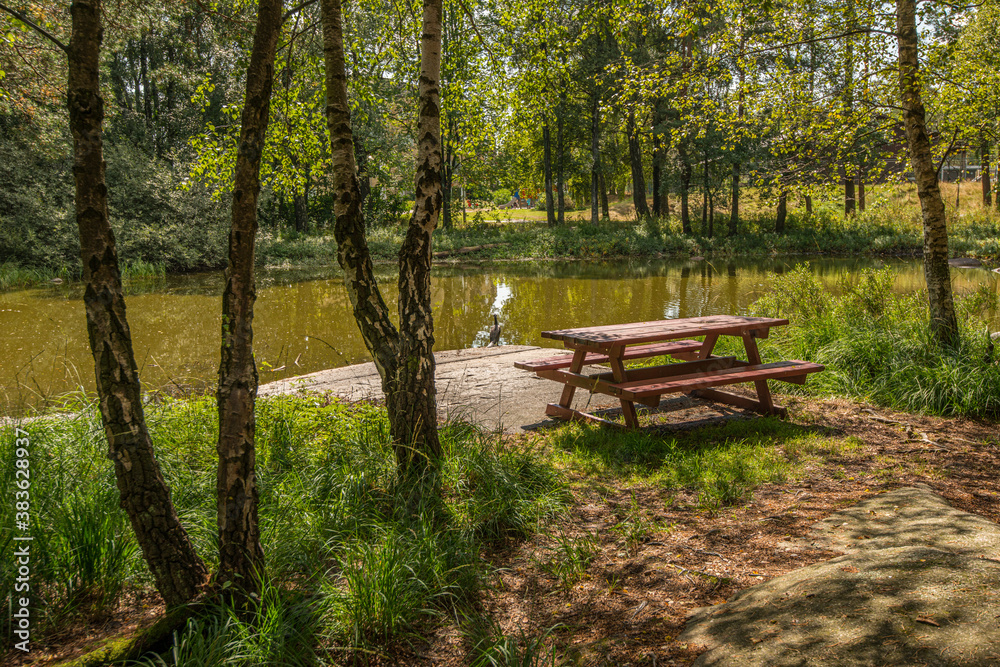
<point x="304" y="324"/>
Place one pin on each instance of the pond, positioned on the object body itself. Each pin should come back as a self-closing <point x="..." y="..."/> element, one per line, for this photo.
<point x="304" y="322"/>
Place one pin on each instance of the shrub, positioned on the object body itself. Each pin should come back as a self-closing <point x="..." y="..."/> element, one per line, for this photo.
<point x="501" y="197"/>
<point x="877" y="345"/>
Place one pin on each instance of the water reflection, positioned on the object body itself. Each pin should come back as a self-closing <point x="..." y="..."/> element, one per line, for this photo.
<point x="304" y="322"/>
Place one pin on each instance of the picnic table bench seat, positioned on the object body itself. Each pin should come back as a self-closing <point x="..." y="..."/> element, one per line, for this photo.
<point x="787" y="371"/>
<point x="711" y="372"/>
<point x="680" y="348"/>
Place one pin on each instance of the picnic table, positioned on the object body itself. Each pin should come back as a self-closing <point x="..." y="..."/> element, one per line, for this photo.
<point x="697" y="373"/>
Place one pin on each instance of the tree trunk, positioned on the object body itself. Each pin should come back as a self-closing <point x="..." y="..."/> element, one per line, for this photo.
<point x="985" y="171"/>
<point x="412" y="406"/>
<point x="605" y="212"/>
<point x="734" y="208"/>
<point x="779" y="222"/>
<point x="809" y="205"/>
<point x="685" y="190"/>
<point x="404" y="358"/>
<point x="848" y="192"/>
<point x="369" y="308"/>
<point x="446" y="186"/>
<point x="241" y="558"/>
<point x="550" y="211"/>
<point x="638" y="178"/>
<point x="861" y="194"/>
<point x="666" y="195"/>
<point x="300" y="208"/>
<point x="177" y="570"/>
<point x="595" y="155"/>
<point x="734" y="205"/>
<point x="560" y="159"/>
<point x="657" y="159"/>
<point x="704" y="194"/>
<point x="936" y="271"/>
<point x="711" y="216"/>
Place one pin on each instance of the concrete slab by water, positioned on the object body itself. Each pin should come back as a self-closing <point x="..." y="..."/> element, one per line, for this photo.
<point x="477" y="384"/>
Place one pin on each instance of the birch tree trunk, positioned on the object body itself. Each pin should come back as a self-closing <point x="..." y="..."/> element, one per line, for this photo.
<point x="550" y="211"/>
<point x="936" y="271"/>
<point x="404" y="357"/>
<point x="241" y="557"/>
<point x="369" y="308"/>
<point x="412" y="403"/>
<point x="984" y="164"/>
<point x="177" y="570"/>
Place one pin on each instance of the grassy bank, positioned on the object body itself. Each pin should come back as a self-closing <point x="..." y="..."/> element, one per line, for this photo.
<point x="890" y="226"/>
<point x="889" y="231"/>
<point x="13" y="276"/>
<point x="877" y="345"/>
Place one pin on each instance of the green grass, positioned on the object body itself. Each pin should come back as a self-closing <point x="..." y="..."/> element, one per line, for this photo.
<point x="893" y="229"/>
<point x="877" y="345"/>
<point x="721" y="464"/>
<point x="569" y="557"/>
<point x="345" y="570"/>
<point x="15" y="277"/>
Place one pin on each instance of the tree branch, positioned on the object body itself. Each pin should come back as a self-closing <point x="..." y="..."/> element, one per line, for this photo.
<point x="28" y="22"/>
<point x="827" y="38"/>
<point x="951" y="146"/>
<point x="287" y="15"/>
<point x="489" y="51"/>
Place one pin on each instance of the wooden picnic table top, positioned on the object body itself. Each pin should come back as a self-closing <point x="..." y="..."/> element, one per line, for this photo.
<point x="612" y="335"/>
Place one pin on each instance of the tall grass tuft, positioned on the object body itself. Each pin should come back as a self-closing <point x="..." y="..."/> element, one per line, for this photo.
<point x="14" y="276"/>
<point x="878" y="345"/>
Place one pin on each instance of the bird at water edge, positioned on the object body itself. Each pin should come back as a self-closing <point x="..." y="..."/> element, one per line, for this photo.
<point x="495" y="332"/>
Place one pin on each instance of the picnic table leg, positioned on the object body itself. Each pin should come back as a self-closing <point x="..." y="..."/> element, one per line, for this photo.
<point x="618" y="371"/>
<point x="566" y="400"/>
<point x="763" y="392"/>
<point x="705" y="351"/>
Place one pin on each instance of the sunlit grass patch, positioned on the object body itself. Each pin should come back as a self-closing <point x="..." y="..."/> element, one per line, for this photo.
<point x="721" y="464"/>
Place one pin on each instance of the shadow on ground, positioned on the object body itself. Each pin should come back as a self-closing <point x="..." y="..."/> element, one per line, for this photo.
<point x="919" y="585"/>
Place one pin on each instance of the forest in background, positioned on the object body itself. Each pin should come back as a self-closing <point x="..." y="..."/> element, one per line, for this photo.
<point x="684" y="108"/>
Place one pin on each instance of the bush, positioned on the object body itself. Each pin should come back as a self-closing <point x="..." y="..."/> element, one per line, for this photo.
<point x="501" y="197"/>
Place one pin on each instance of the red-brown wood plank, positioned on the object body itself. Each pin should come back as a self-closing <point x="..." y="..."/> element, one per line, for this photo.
<point x="705" y="379"/>
<point x="637" y="352"/>
<point x="644" y="332"/>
